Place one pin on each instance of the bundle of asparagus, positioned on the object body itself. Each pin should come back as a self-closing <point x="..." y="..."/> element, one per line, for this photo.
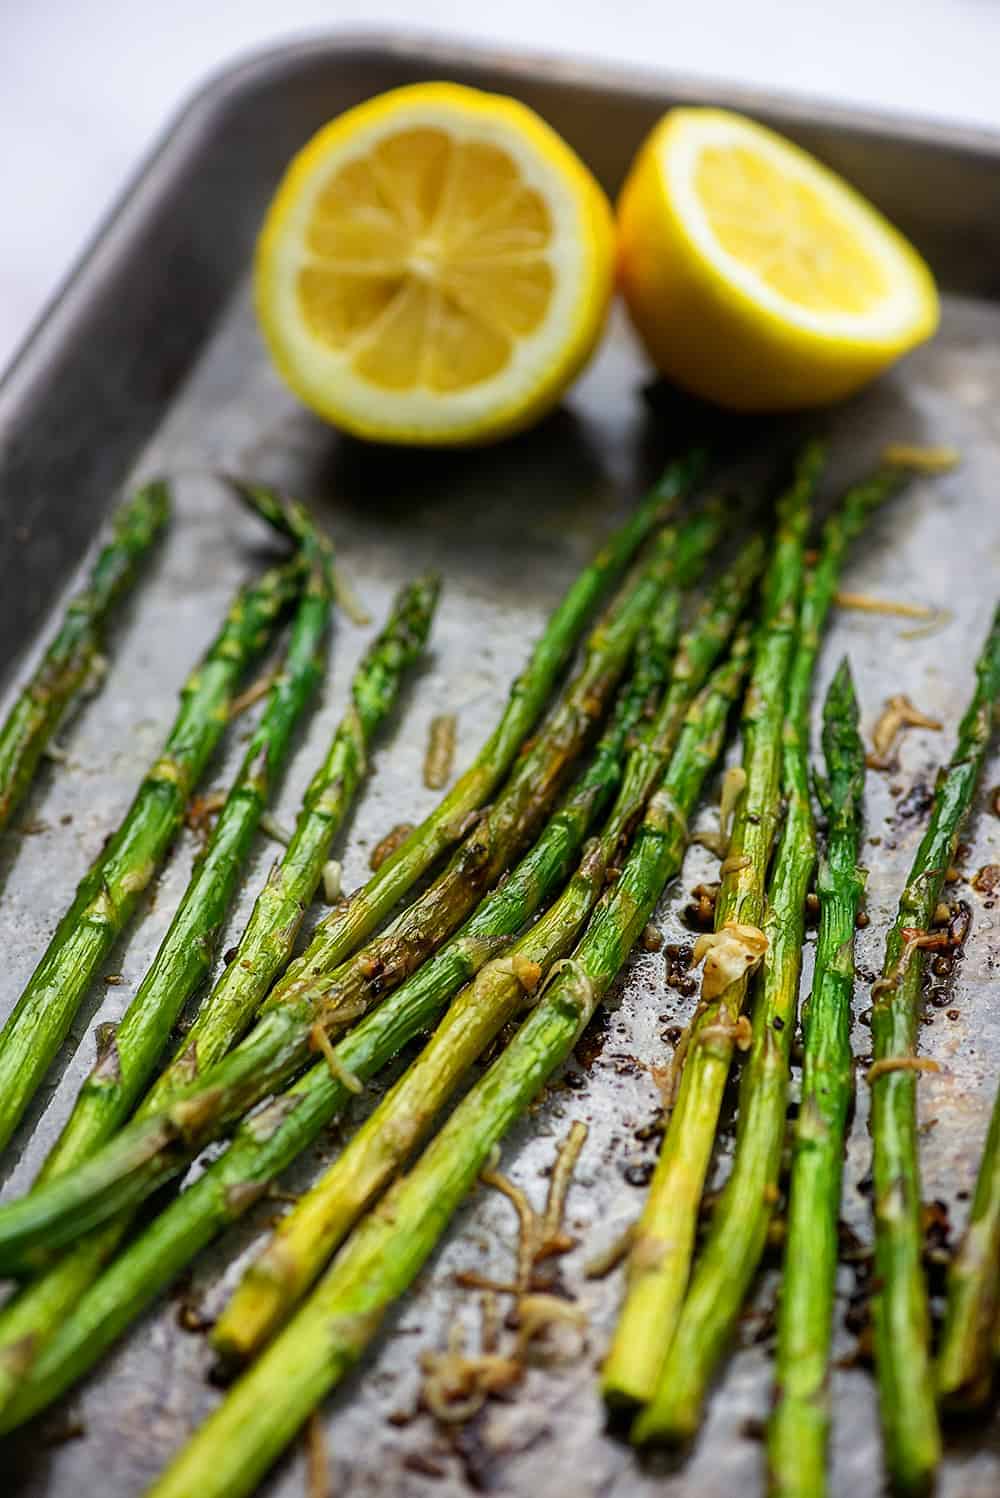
<point x="68" y="664"/>
<point x="263" y="1147"/>
<point x="109" y="893"/>
<point x="739" y="1224"/>
<point x="231" y="1185"/>
<point x="28" y="1321"/>
<point x="312" y="1000"/>
<point x="128" y="1055"/>
<point x="308" y="1235"/>
<point x="329" y="1333"/>
<point x="491" y="936"/>
<point x="347" y="926"/>
<point x="659" y="1259"/>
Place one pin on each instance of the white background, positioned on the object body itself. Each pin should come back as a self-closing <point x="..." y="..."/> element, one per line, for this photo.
<point x="87" y="85"/>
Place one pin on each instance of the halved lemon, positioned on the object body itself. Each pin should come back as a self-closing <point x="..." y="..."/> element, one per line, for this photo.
<point x="435" y="267"/>
<point x="757" y="277"/>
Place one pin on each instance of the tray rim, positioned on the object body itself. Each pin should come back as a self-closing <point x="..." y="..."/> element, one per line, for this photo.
<point x="53" y="327"/>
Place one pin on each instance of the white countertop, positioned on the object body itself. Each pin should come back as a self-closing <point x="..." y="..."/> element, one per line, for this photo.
<point x="87" y="85"/>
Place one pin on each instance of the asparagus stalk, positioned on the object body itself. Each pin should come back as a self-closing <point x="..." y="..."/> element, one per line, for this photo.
<point x="268" y="1141"/>
<point x="28" y="1321"/>
<point x="127" y="1058"/>
<point x="659" y="1261"/>
<point x="902" y="1323"/>
<point x="968" y="1351"/>
<point x="69" y="661"/>
<point x="108" y="894"/>
<point x="346" y="927"/>
<point x="324" y="1340"/>
<point x="155" y="1148"/>
<point x="799" y="1427"/>
<point x="741" y="1219"/>
<point x="309" y="1233"/>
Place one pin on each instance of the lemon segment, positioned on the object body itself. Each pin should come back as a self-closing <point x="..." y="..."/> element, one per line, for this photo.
<point x="435" y="267"/>
<point x="757" y="277"/>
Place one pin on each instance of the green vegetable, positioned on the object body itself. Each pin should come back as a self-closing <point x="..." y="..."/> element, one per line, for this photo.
<point x="740" y="1222"/>
<point x="68" y="663"/>
<point x="902" y="1323"/>
<point x="156" y="1147"/>
<point x="799" y="1428"/>
<point x="328" y="1335"/>
<point x="308" y="1235"/>
<point x="659" y="1261"/>
<point x="30" y="1318"/>
<point x="109" y="893"/>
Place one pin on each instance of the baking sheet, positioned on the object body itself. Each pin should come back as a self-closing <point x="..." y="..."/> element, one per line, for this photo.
<point x="507" y="528"/>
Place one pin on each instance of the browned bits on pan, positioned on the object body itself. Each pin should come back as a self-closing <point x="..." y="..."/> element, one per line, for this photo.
<point x="254" y="692"/>
<point x="898" y="713"/>
<point x="867" y="604"/>
<point x="604" y="1261"/>
<point x="201" y="812"/>
<point x="678" y="963"/>
<point x="394" y="838"/>
<point x="191" y="1318"/>
<point x="900" y="1063"/>
<point x="440" y="751"/>
<point x="424" y="1464"/>
<point x="317" y="1463"/>
<point x="700" y="913"/>
<point x="455" y="1383"/>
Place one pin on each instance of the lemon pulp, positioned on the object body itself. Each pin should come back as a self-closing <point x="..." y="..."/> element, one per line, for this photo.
<point x="435" y="266"/>
<point x="427" y="262"/>
<point x="782" y="227"/>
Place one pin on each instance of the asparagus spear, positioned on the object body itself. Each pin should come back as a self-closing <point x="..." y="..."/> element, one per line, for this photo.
<point x="902" y="1352"/>
<point x="347" y="926"/>
<point x="799" y="1428"/>
<point x="29" y="1320"/>
<point x="324" y="1340"/>
<point x="740" y="1221"/>
<point x="152" y="1149"/>
<point x="309" y="1233"/>
<point x="110" y="891"/>
<point x="127" y="1058"/>
<point x="968" y="1351"/>
<point x="660" y="1257"/>
<point x="69" y="661"/>
<point x="268" y="1141"/>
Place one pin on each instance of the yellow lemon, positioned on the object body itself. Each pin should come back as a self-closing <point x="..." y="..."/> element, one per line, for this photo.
<point x="755" y="276"/>
<point x="435" y="267"/>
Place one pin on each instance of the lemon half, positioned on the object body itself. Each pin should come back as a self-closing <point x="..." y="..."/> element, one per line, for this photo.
<point x="435" y="267"/>
<point x="757" y="277"/>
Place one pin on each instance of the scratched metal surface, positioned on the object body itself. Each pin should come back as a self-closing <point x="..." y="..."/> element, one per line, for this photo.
<point x="508" y="528"/>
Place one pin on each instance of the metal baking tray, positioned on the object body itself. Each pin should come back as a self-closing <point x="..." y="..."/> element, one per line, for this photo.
<point x="149" y="362"/>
